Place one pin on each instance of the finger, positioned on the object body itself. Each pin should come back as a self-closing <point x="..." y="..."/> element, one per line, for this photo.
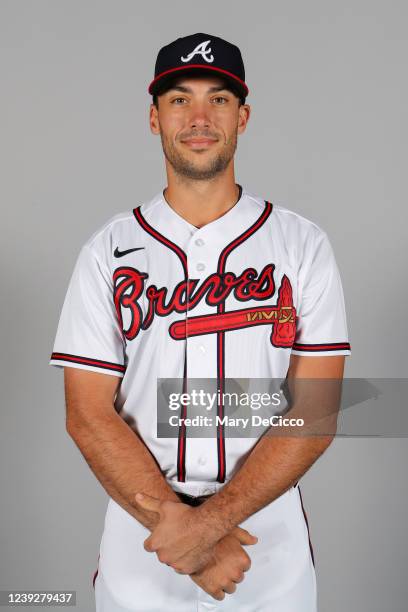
<point x="147" y="502"/>
<point x="218" y="595"/>
<point x="244" y="536"/>
<point x="179" y="571"/>
<point x="240" y="579"/>
<point x="148" y="545"/>
<point x="238" y="576"/>
<point x="230" y="588"/>
<point x="175" y="568"/>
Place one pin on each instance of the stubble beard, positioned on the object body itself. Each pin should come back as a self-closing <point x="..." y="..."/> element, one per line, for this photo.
<point x="186" y="168"/>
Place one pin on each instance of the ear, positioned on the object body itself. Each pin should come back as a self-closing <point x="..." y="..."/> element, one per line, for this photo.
<point x="243" y="117"/>
<point x="154" y="119"/>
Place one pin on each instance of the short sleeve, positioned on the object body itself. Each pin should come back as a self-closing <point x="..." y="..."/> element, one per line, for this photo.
<point x="321" y="325"/>
<point x="88" y="333"/>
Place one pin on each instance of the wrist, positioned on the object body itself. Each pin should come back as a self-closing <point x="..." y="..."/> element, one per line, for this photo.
<point x="213" y="521"/>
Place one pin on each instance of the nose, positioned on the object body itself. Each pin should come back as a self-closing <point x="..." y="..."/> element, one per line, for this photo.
<point x="199" y="117"/>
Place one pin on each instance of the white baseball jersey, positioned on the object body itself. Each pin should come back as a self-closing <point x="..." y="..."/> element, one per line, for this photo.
<point x="152" y="296"/>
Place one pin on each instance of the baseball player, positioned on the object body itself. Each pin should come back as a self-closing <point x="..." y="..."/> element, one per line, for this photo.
<point x="203" y="280"/>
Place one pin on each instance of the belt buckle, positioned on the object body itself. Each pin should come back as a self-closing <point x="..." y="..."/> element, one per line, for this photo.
<point x="193" y="500"/>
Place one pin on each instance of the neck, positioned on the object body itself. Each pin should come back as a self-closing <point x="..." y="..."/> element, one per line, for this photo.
<point x="200" y="202"/>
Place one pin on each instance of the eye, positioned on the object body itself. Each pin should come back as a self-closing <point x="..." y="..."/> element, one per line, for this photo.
<point x="221" y="98"/>
<point x="175" y="100"/>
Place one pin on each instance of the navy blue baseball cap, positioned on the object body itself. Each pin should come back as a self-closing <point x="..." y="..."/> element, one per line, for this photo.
<point x="200" y="53"/>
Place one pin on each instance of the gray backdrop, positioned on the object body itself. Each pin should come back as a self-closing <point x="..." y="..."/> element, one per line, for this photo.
<point x="327" y="138"/>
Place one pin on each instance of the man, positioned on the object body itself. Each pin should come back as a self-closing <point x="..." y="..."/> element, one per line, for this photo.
<point x="205" y="280"/>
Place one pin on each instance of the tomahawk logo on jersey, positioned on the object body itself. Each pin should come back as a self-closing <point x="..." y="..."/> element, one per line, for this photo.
<point x="214" y="289"/>
<point x="151" y="296"/>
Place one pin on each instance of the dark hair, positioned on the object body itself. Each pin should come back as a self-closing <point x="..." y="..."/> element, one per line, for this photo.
<point x="227" y="85"/>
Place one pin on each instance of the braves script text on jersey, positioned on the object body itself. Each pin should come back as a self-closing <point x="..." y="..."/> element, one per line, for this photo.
<point x="151" y="296"/>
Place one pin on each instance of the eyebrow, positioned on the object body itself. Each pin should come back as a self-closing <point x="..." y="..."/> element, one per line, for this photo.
<point x="189" y="90"/>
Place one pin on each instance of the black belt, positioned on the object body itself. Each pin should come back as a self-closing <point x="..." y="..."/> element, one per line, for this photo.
<point x="193" y="500"/>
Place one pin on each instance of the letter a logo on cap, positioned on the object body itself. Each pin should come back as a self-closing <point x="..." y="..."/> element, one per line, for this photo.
<point x="200" y="50"/>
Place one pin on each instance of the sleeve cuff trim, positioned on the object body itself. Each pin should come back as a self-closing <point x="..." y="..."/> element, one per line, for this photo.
<point x="98" y="363"/>
<point x="311" y="348"/>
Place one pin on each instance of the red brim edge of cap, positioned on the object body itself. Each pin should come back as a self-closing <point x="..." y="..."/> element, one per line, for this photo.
<point x="162" y="74"/>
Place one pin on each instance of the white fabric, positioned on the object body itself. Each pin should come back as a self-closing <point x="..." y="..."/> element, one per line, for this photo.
<point x="281" y="578"/>
<point x="90" y="335"/>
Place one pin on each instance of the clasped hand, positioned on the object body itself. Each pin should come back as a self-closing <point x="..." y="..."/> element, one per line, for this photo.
<point x="182" y="539"/>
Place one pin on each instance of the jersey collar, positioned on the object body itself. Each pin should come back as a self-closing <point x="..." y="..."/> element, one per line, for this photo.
<point x="237" y="220"/>
<point x="224" y="218"/>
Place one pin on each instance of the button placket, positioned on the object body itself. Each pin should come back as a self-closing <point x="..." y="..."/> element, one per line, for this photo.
<point x="199" y="262"/>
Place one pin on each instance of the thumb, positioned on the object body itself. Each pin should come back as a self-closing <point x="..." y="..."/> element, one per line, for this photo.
<point x="243" y="536"/>
<point x="148" y="502"/>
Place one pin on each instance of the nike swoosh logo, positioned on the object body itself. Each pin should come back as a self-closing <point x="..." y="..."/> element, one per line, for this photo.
<point x="118" y="253"/>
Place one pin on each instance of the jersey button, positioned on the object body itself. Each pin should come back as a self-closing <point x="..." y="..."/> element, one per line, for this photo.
<point x="199" y="242"/>
<point x="202" y="460"/>
<point x="200" y="266"/>
<point x="202" y="348"/>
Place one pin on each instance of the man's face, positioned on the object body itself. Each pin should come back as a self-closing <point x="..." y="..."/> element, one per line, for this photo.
<point x="198" y="122"/>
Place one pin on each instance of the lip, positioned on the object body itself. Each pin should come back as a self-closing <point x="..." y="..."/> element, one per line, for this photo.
<point x="196" y="143"/>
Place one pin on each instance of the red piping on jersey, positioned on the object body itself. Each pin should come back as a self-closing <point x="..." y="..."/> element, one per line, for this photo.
<point x="181" y="450"/>
<point x="332" y="346"/>
<point x="221" y="336"/>
<point x="168" y="243"/>
<point x="96" y="572"/>
<point x="107" y="365"/>
<point x="307" y="525"/>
